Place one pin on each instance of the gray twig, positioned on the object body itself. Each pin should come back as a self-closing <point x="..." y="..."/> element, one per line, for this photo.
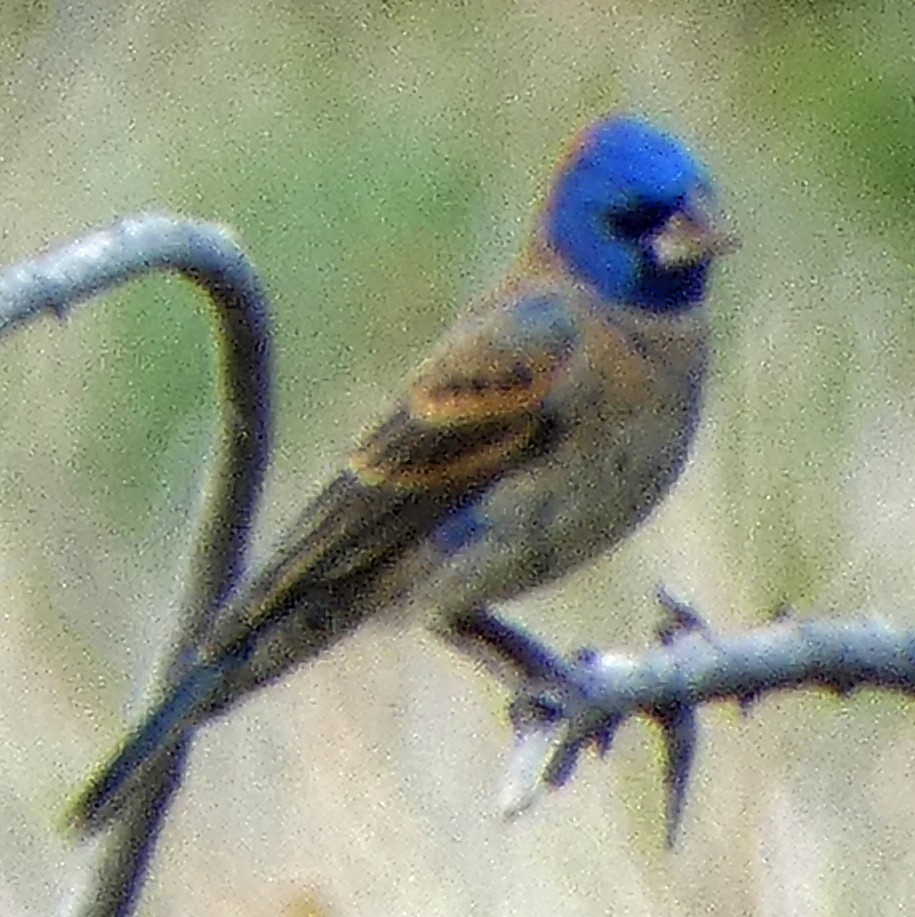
<point x="585" y="699"/>
<point x="203" y="253"/>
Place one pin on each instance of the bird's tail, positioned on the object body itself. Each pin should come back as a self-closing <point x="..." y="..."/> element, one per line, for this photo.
<point x="164" y="728"/>
<point x="284" y="619"/>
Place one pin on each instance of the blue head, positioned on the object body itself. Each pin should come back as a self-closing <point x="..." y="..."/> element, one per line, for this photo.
<point x="627" y="213"/>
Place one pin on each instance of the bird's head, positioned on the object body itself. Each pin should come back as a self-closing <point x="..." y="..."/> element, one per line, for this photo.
<point x="631" y="214"/>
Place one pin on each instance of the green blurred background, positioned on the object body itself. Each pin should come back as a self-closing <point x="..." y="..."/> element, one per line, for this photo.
<point x="379" y="161"/>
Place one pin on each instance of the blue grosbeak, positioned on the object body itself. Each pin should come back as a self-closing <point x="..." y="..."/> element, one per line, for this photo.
<point x="541" y="431"/>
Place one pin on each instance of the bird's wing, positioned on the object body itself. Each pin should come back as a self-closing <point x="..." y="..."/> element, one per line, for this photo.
<point x="475" y="409"/>
<point x="473" y="412"/>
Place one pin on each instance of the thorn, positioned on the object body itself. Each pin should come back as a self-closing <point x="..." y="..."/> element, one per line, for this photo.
<point x="59" y="308"/>
<point x="746" y="703"/>
<point x="562" y="764"/>
<point x="680" y="618"/>
<point x="782" y="612"/>
<point x="842" y="688"/>
<point x="679" y="732"/>
<point x="604" y="737"/>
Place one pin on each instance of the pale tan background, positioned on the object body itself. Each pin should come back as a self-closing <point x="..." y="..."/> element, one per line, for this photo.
<point x="379" y="161"/>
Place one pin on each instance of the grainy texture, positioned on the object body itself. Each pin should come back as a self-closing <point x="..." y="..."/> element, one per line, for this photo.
<point x="377" y="161"/>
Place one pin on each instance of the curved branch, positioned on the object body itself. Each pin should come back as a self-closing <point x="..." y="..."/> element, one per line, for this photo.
<point x="205" y="255"/>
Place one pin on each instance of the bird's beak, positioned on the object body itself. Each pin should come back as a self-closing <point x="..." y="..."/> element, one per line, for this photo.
<point x="694" y="234"/>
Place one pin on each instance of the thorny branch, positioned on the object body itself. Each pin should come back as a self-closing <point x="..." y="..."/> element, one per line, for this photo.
<point x="584" y="699"/>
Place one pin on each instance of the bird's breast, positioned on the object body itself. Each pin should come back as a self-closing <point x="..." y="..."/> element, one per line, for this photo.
<point x="625" y="411"/>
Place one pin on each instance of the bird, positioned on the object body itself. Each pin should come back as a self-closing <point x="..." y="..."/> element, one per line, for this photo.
<point x="544" y="427"/>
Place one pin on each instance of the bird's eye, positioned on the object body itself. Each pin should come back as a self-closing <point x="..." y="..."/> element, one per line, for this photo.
<point x="637" y="220"/>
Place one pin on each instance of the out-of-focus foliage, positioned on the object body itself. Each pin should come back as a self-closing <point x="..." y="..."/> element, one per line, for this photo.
<point x="380" y="162"/>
